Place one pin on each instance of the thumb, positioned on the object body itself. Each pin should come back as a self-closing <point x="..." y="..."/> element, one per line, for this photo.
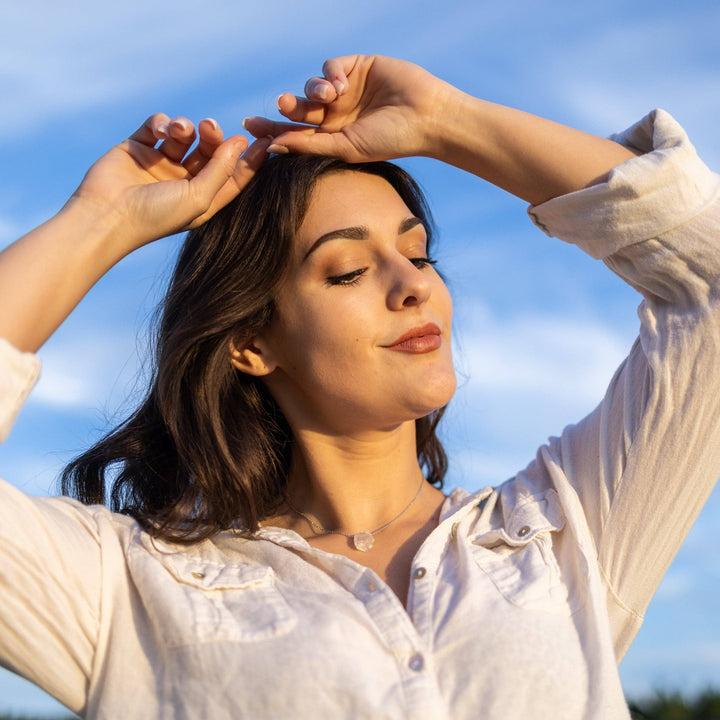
<point x="210" y="190"/>
<point x="220" y="167"/>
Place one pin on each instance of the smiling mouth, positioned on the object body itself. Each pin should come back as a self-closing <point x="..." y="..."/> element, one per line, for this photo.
<point x="419" y="340"/>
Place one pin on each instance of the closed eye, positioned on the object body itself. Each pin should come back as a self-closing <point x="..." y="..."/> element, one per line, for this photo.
<point x="351" y="278"/>
<point x="422" y="262"/>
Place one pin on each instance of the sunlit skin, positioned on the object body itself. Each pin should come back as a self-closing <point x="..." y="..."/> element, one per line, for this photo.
<point x="358" y="349"/>
<point x="350" y="395"/>
<point x="346" y="302"/>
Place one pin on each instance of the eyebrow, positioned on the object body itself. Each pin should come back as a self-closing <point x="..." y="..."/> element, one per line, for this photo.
<point x="358" y="232"/>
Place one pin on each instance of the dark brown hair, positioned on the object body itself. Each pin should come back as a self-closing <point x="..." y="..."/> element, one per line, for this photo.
<point x="209" y="448"/>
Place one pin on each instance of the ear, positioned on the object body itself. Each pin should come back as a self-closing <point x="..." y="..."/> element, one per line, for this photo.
<point x="252" y="357"/>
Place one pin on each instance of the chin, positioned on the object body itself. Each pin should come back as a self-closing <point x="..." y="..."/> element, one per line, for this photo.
<point x="435" y="394"/>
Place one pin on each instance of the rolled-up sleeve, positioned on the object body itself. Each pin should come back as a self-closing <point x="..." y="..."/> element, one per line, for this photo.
<point x="18" y="374"/>
<point x="645" y="461"/>
<point x="50" y="569"/>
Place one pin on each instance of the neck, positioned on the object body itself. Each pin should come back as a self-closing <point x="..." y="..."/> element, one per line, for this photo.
<point x="355" y="484"/>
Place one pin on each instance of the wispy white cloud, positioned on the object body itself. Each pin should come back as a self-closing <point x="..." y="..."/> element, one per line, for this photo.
<point x="68" y="58"/>
<point x="64" y="59"/>
<point x="538" y="355"/>
<point x="530" y="373"/>
<point x="625" y="69"/>
<point x="80" y="373"/>
<point x="523" y="378"/>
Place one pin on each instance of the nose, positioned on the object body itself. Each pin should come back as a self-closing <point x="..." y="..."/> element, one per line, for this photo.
<point x="410" y="285"/>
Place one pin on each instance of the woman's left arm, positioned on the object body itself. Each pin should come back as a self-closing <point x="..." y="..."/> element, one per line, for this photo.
<point x="390" y="108"/>
<point x="645" y="461"/>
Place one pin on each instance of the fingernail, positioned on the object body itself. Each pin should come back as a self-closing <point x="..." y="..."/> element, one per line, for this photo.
<point x="277" y="149"/>
<point x="244" y="123"/>
<point x="339" y="87"/>
<point x="320" y="90"/>
<point x="182" y="124"/>
<point x="163" y="129"/>
<point x="277" y="101"/>
<point x="213" y="122"/>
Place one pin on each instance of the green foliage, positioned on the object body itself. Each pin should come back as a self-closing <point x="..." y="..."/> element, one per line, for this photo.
<point x="674" y="706"/>
<point x="661" y="706"/>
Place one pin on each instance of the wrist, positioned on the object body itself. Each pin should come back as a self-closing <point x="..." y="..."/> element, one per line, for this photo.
<point x="460" y="127"/>
<point x="94" y="229"/>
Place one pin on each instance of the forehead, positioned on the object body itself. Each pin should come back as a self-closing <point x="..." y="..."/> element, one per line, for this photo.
<point x="346" y="198"/>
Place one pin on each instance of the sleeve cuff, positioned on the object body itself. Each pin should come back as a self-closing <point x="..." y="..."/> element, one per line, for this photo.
<point x="644" y="197"/>
<point x="19" y="372"/>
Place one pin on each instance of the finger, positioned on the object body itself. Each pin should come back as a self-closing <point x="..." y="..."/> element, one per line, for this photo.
<point x="261" y="127"/>
<point x="213" y="177"/>
<point x="301" y="110"/>
<point x="150" y="159"/>
<point x="211" y="136"/>
<point x="152" y="130"/>
<point x="210" y="133"/>
<point x="213" y="186"/>
<point x="320" y="90"/>
<point x="181" y="135"/>
<point x="251" y="161"/>
<point x="336" y="70"/>
<point x="312" y="142"/>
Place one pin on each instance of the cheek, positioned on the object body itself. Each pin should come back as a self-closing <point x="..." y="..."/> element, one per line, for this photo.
<point x="323" y="338"/>
<point x="443" y="298"/>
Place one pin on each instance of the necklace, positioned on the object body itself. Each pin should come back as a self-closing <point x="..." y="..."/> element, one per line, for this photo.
<point x="362" y="541"/>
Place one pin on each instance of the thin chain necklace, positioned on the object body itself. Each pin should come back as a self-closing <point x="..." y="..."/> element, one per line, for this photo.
<point x="362" y="541"/>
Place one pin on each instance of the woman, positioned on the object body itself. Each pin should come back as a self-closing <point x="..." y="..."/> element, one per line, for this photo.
<point x="318" y="574"/>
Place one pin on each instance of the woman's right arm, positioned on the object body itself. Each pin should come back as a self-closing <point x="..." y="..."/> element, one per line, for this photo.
<point x="131" y="196"/>
<point x="62" y="565"/>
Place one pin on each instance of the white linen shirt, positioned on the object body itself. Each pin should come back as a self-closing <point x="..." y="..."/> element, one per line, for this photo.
<point x="521" y="601"/>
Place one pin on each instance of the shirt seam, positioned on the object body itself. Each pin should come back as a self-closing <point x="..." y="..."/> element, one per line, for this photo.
<point x="616" y="597"/>
<point x="99" y="614"/>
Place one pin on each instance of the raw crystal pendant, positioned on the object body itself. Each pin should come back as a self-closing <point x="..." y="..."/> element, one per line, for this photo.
<point x="363" y="541"/>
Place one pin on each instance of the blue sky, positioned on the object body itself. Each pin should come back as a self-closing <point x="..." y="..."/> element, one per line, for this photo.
<point x="539" y="327"/>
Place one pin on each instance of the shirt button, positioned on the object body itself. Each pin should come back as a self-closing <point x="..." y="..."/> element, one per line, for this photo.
<point x="371" y="587"/>
<point x="419" y="573"/>
<point x="198" y="575"/>
<point x="416" y="662"/>
<point x="453" y="530"/>
<point x="523" y="531"/>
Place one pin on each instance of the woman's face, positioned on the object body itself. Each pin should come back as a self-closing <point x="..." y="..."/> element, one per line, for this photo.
<point x="361" y="335"/>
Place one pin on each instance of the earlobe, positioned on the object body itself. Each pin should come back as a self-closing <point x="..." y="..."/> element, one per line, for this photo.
<point x="252" y="358"/>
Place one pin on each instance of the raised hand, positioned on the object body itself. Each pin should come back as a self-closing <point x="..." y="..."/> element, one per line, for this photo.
<point x="156" y="191"/>
<point x="134" y="194"/>
<point x="365" y="107"/>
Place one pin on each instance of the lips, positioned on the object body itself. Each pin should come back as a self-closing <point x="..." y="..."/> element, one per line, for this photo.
<point x="423" y="339"/>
